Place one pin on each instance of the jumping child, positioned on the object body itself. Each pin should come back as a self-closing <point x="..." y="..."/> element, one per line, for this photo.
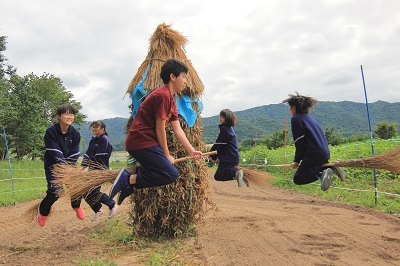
<point x="61" y="142"/>
<point x="146" y="140"/>
<point x="227" y="149"/>
<point x="311" y="145"/>
<point x="97" y="157"/>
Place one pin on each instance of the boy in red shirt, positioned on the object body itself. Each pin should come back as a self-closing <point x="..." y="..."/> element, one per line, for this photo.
<point x="146" y="140"/>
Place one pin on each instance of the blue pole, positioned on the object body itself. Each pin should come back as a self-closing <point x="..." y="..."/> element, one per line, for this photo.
<point x="9" y="163"/>
<point x="371" y="135"/>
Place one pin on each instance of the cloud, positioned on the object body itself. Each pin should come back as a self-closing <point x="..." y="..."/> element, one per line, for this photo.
<point x="247" y="54"/>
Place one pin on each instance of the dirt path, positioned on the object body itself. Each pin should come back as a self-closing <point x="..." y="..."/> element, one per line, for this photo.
<point x="260" y="225"/>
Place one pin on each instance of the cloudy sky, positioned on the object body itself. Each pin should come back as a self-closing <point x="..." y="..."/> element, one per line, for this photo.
<point x="247" y="53"/>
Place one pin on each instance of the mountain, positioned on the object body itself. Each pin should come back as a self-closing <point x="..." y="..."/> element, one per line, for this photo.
<point x="347" y="117"/>
<point x="116" y="132"/>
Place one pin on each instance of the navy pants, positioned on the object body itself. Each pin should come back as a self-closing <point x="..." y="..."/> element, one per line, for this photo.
<point x="51" y="197"/>
<point x="95" y="198"/>
<point x="226" y="171"/>
<point x="308" y="171"/>
<point x="155" y="170"/>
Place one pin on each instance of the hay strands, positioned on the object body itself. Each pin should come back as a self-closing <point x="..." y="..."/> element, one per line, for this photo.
<point x="389" y="161"/>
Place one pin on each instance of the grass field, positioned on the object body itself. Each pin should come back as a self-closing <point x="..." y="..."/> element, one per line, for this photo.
<point x="359" y="186"/>
<point x="28" y="180"/>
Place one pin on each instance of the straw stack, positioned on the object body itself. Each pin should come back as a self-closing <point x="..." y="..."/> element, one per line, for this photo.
<point x="173" y="209"/>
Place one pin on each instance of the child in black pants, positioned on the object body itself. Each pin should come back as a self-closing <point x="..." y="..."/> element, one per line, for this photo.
<point x="311" y="145"/>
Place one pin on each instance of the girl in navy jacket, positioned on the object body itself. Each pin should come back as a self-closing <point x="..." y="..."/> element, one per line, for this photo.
<point x="311" y="145"/>
<point x="97" y="157"/>
<point x="227" y="149"/>
<point x="61" y="146"/>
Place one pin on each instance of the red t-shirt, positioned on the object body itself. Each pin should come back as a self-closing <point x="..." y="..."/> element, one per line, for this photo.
<point x="142" y="132"/>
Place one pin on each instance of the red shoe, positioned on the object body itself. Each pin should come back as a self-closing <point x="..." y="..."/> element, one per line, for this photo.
<point x="41" y="219"/>
<point x="80" y="213"/>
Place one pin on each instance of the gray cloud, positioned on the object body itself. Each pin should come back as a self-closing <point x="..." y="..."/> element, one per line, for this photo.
<point x="247" y="54"/>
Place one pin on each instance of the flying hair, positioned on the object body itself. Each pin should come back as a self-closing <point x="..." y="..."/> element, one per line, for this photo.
<point x="302" y="103"/>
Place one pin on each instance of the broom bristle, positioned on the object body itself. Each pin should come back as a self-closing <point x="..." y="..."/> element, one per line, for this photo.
<point x="31" y="213"/>
<point x="389" y="160"/>
<point x="257" y="177"/>
<point x="78" y="182"/>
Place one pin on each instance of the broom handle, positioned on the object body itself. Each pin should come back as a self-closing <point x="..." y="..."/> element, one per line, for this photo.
<point x="191" y="157"/>
<point x="288" y="165"/>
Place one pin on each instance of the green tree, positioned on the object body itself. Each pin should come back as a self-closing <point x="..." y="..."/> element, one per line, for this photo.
<point x="333" y="138"/>
<point x="6" y="108"/>
<point x="35" y="100"/>
<point x="277" y="140"/>
<point x="27" y="106"/>
<point x="385" y="130"/>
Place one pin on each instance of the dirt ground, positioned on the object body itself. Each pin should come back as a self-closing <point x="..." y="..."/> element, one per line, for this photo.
<point x="259" y="225"/>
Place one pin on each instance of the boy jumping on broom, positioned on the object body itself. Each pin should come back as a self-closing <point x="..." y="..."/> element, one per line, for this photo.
<point x="146" y="140"/>
<point x="311" y="145"/>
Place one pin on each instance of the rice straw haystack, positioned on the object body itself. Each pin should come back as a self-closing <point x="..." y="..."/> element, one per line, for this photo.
<point x="173" y="209"/>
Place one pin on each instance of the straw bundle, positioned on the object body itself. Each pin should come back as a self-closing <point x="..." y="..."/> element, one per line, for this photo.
<point x="165" y="44"/>
<point x="173" y="209"/>
<point x="78" y="181"/>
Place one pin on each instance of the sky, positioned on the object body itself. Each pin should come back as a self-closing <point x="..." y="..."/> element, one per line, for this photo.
<point x="247" y="53"/>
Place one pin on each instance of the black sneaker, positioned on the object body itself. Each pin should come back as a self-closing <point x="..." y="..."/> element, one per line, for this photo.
<point x="126" y="192"/>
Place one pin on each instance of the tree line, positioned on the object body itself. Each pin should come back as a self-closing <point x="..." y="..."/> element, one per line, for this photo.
<point x="383" y="130"/>
<point x="27" y="105"/>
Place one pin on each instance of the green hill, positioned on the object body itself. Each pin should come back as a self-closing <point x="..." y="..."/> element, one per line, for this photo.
<point x="348" y="117"/>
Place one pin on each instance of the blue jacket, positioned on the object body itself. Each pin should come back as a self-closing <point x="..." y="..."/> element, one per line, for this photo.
<point x="60" y="148"/>
<point x="226" y="145"/>
<point x="309" y="139"/>
<point x="99" y="152"/>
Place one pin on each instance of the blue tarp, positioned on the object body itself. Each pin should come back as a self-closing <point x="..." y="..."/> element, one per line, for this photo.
<point x="184" y="106"/>
<point x="139" y="93"/>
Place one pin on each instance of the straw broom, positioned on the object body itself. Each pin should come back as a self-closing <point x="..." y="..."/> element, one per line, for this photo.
<point x="389" y="161"/>
<point x="79" y="181"/>
<point x="254" y="176"/>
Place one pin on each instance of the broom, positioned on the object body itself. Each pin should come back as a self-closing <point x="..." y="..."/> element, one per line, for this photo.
<point x="389" y="161"/>
<point x="257" y="177"/>
<point x="80" y="182"/>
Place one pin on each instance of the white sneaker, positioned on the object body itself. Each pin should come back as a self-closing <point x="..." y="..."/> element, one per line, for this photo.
<point x="97" y="215"/>
<point x="326" y="179"/>
<point x="239" y="177"/>
<point x="113" y="211"/>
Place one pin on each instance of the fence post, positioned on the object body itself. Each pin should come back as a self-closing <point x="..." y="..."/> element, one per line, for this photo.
<point x="9" y="163"/>
<point x="371" y="135"/>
